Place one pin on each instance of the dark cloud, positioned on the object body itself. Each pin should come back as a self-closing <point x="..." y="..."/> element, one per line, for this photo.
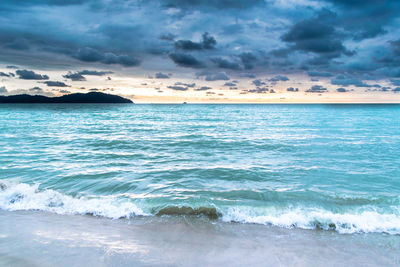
<point x="167" y="36"/>
<point x="226" y="64"/>
<point x="188" y="45"/>
<point x="3" y="90"/>
<point x="185" y="60"/>
<point x="259" y="90"/>
<point x="46" y="2"/>
<point x="280" y="52"/>
<point x="396" y="90"/>
<point x="345" y="81"/>
<point x="177" y="88"/>
<point x="291" y="89"/>
<point x="232" y="29"/>
<point x="258" y="82"/>
<point x="341" y="90"/>
<point x="317" y="35"/>
<point x="395" y="82"/>
<point x="248" y="75"/>
<point x="383" y="89"/>
<point x="319" y="38"/>
<point x="18" y="44"/>
<point x="30" y="75"/>
<point x="224" y="4"/>
<point x="366" y="19"/>
<point x="248" y="60"/>
<point x="220" y="76"/>
<point x="317" y="89"/>
<point x="390" y="58"/>
<point x="229" y="84"/>
<point x="278" y="78"/>
<point x="94" y="72"/>
<point x="74" y="76"/>
<point x="89" y="54"/>
<point x="160" y="75"/>
<point x="78" y="76"/>
<point x="203" y="88"/>
<point x="208" y="42"/>
<point x="56" y="84"/>
<point x="319" y="74"/>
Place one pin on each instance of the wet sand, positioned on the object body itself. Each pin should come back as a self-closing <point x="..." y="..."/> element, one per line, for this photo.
<point x="29" y="238"/>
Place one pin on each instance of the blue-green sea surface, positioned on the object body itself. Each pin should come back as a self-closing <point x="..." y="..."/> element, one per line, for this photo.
<point x="333" y="167"/>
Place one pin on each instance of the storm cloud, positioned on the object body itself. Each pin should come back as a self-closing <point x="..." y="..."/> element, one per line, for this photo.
<point x="344" y="80"/>
<point x="79" y="75"/>
<point x="278" y="78"/>
<point x="89" y="54"/>
<point x="55" y="84"/>
<point x="317" y="35"/>
<point x="186" y="60"/>
<point x="317" y="89"/>
<point x="345" y="43"/>
<point x="160" y="75"/>
<point x="177" y="88"/>
<point x="31" y="75"/>
<point x="207" y="42"/>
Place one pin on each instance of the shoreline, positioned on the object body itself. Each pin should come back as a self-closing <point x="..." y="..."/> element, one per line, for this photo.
<point x="38" y="238"/>
<point x="25" y="197"/>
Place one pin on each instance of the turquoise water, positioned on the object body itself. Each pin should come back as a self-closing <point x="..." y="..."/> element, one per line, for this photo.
<point x="333" y="167"/>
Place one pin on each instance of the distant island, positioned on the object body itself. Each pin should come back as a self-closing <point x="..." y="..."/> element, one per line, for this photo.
<point x="92" y="97"/>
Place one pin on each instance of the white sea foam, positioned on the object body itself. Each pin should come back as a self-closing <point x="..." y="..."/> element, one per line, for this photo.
<point x="313" y="218"/>
<point x="27" y="197"/>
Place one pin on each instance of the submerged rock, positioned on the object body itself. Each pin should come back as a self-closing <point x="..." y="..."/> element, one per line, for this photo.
<point x="16" y="198"/>
<point x="210" y="212"/>
<point x="3" y="187"/>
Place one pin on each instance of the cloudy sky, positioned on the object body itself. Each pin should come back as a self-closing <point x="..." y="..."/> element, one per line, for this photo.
<point x="203" y="50"/>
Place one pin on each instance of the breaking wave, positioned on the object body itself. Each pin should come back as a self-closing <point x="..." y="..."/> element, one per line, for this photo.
<point x="29" y="197"/>
<point x="315" y="218"/>
<point x="22" y="196"/>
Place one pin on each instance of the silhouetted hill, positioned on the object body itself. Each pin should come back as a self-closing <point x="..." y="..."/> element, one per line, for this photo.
<point x="92" y="97"/>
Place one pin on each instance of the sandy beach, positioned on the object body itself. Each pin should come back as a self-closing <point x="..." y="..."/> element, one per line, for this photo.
<point x="29" y="238"/>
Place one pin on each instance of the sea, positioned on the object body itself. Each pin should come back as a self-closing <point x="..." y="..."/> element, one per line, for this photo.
<point x="331" y="168"/>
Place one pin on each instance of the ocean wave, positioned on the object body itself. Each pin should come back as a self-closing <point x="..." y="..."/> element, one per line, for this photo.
<point x="365" y="221"/>
<point x="22" y="196"/>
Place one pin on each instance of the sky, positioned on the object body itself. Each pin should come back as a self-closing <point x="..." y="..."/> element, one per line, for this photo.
<point x="203" y="51"/>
